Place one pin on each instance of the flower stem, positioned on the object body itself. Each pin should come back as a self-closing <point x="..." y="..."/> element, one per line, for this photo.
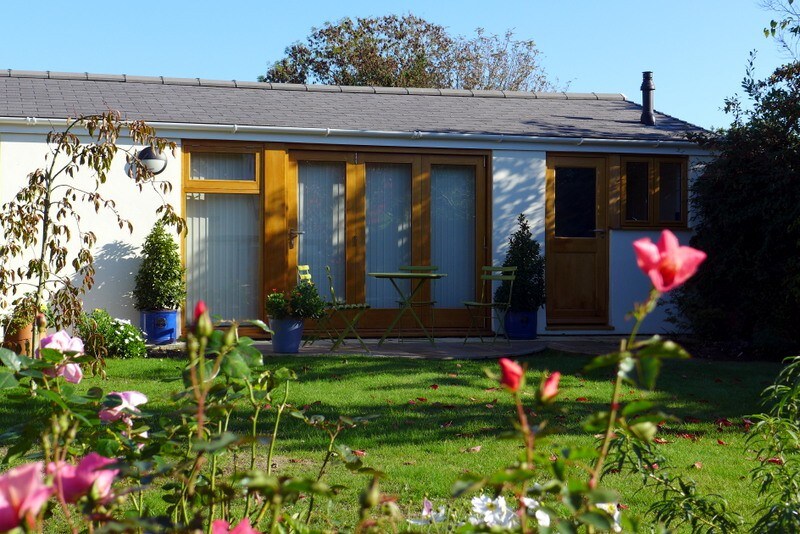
<point x="275" y="428"/>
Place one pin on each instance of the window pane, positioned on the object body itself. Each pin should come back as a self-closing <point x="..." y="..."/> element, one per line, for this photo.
<point x="222" y="254"/>
<point x="670" y="192"/>
<point x="575" y="203"/>
<point x="637" y="191"/>
<point x="388" y="228"/>
<point x="223" y="166"/>
<point x="453" y="233"/>
<point x="321" y="215"/>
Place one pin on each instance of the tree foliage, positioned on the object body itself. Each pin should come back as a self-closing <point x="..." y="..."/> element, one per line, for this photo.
<point x="408" y="51"/>
<point x="747" y="206"/>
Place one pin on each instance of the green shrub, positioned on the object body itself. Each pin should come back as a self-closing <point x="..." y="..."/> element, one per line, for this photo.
<point x="105" y="336"/>
<point x="524" y="254"/>
<point x="159" y="282"/>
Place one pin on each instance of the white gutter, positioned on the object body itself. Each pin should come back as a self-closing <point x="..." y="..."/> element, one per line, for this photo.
<point x="379" y="134"/>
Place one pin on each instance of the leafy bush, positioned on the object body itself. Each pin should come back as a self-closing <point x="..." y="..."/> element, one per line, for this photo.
<point x="106" y="336"/>
<point x="302" y="302"/>
<point x="747" y="206"/>
<point x="524" y="254"/>
<point x="159" y="283"/>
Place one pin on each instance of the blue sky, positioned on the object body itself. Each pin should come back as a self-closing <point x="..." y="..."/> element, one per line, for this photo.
<point x="697" y="49"/>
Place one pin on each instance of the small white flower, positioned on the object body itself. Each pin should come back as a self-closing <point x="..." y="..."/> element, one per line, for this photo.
<point x="543" y="518"/>
<point x="530" y="504"/>
<point x="611" y="509"/>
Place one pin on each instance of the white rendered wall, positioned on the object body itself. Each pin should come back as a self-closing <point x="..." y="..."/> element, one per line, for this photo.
<point x="117" y="252"/>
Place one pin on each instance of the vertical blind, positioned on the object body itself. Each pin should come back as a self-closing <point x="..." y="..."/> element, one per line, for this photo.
<point x="222" y="254"/>
<point x="321" y="215"/>
<point x="222" y="166"/>
<point x="453" y="233"/>
<point x="388" y="227"/>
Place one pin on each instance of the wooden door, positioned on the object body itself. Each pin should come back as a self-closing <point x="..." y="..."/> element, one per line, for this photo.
<point x="576" y="242"/>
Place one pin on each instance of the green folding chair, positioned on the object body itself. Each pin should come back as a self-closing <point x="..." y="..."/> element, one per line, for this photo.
<point x="303" y="273"/>
<point x="349" y="313"/>
<point x="420" y="303"/>
<point x="487" y="308"/>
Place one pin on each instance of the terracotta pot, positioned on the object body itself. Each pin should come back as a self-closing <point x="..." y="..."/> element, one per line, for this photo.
<point x="19" y="341"/>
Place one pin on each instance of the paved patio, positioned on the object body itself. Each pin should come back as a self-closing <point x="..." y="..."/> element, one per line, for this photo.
<point x="445" y="348"/>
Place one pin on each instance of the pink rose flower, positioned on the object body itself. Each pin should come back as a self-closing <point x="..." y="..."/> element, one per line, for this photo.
<point x="511" y="374"/>
<point x="73" y="482"/>
<point x="22" y="495"/>
<point x="549" y="387"/>
<point x="63" y="342"/>
<point x="129" y="400"/>
<point x="223" y="527"/>
<point x="668" y="264"/>
<point x="71" y="372"/>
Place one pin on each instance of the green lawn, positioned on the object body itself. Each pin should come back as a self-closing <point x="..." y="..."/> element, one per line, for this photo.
<point x="425" y="436"/>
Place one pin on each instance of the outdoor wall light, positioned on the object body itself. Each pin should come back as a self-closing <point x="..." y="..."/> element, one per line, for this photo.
<point x="153" y="159"/>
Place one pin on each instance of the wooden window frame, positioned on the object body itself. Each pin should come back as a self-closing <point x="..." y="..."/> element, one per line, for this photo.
<point x="654" y="192"/>
<point x="222" y="186"/>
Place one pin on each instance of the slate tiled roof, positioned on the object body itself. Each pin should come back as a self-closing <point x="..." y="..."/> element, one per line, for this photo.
<point x="194" y="101"/>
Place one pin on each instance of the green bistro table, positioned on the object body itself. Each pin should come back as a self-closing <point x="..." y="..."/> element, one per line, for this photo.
<point x="417" y="280"/>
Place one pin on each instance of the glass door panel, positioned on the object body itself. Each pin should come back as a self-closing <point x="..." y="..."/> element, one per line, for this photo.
<point x="453" y="233"/>
<point x="321" y="219"/>
<point x="388" y="227"/>
<point x="575" y="202"/>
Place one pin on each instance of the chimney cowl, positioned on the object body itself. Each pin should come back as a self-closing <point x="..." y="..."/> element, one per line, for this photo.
<point x="648" y="116"/>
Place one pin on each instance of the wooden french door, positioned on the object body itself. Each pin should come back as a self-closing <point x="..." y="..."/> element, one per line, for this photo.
<point x="362" y="212"/>
<point x="576" y="242"/>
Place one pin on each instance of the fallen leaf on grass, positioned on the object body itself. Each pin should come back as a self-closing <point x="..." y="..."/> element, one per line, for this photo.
<point x="422" y="399"/>
<point x="581" y="399"/>
<point x="698" y="465"/>
<point x="452" y="375"/>
<point x="685" y="435"/>
<point x="476" y="448"/>
<point x="409" y="463"/>
<point x="690" y="419"/>
<point x="492" y="389"/>
<point x="720" y="442"/>
<point x="553" y="457"/>
<point x="660" y="441"/>
<point x="720" y="422"/>
<point x="490" y="406"/>
<point x="747" y="423"/>
<point x="465" y="435"/>
<point x="434" y="386"/>
<point x="360" y="453"/>
<point x="412" y="401"/>
<point x="447" y="424"/>
<point x="775" y="460"/>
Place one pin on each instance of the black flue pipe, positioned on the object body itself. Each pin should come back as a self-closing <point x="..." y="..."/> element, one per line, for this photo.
<point x="648" y="116"/>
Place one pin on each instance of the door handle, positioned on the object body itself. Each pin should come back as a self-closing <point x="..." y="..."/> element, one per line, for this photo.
<point x="293" y="234"/>
<point x="599" y="232"/>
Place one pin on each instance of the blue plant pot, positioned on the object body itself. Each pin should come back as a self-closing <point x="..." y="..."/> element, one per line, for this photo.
<point x="287" y="335"/>
<point x="521" y="325"/>
<point x="160" y="326"/>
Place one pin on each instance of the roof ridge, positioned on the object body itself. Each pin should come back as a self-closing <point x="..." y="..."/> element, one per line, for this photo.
<point x="200" y="82"/>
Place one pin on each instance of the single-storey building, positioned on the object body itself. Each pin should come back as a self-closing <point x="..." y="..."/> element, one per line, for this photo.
<point x="364" y="179"/>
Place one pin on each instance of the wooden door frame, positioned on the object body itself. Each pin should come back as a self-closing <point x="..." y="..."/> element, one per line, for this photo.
<point x="604" y="166"/>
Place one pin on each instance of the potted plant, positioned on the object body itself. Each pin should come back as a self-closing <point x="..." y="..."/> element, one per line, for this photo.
<point x="18" y="326"/>
<point x="528" y="292"/>
<point x="287" y="315"/>
<point x="160" y="286"/>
